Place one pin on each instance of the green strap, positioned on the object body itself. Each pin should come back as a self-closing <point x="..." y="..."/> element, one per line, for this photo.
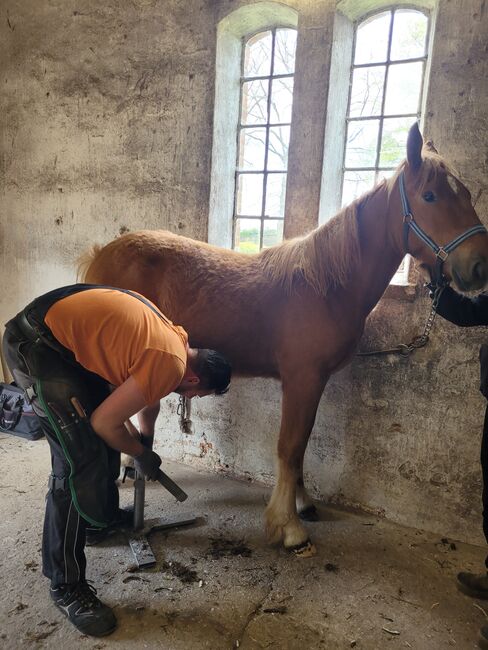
<point x="69" y="459"/>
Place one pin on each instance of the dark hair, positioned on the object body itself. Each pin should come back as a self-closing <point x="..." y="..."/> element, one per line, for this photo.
<point x="213" y="370"/>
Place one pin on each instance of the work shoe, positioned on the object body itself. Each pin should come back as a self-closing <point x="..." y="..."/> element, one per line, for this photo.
<point x="123" y="519"/>
<point x="80" y="604"/>
<point x="474" y="585"/>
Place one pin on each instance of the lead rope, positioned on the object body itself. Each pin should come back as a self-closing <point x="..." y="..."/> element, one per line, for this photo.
<point x="419" y="341"/>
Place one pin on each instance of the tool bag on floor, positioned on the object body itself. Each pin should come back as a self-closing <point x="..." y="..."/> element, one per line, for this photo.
<point x="16" y="414"/>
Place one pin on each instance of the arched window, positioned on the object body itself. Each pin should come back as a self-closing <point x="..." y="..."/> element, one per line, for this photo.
<point x="389" y="58"/>
<point x="255" y="62"/>
<point x="266" y="95"/>
<point x="387" y="77"/>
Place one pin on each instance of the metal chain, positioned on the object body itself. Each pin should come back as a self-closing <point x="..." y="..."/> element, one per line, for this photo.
<point x="184" y="411"/>
<point x="419" y="341"/>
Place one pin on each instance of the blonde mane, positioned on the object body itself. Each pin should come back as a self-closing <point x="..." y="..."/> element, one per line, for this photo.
<point x="324" y="258"/>
<point x="433" y="166"/>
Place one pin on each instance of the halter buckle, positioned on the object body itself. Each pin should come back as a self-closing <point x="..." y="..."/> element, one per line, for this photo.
<point x="408" y="218"/>
<point x="442" y="254"/>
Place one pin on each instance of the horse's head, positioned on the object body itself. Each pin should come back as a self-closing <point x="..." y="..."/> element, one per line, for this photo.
<point x="440" y="209"/>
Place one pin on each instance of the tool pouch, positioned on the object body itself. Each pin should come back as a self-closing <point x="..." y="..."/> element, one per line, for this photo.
<point x="87" y="454"/>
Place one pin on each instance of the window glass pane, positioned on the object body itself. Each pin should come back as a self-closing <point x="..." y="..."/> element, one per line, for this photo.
<point x="264" y="135"/>
<point x="281" y="100"/>
<point x="249" y="194"/>
<point x="361" y="144"/>
<point x="355" y="184"/>
<point x="372" y="39"/>
<point x="394" y="140"/>
<point x="247" y="235"/>
<point x="285" y="47"/>
<point x="367" y="91"/>
<point x="385" y="174"/>
<point x="279" y="138"/>
<point x="272" y="232"/>
<point x="275" y="195"/>
<point x="252" y="145"/>
<point x="257" y="55"/>
<point x="403" y="88"/>
<point x="409" y="34"/>
<point x="254" y="107"/>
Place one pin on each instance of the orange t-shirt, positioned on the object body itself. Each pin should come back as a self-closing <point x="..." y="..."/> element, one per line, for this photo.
<point x="115" y="335"/>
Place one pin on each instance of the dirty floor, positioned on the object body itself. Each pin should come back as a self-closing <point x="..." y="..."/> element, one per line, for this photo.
<point x="217" y="585"/>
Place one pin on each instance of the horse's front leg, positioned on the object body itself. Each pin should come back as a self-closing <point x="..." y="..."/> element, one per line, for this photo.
<point x="301" y="395"/>
<point x="305" y="505"/>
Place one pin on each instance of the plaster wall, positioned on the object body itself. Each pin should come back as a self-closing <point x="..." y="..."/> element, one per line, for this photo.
<point x="107" y="115"/>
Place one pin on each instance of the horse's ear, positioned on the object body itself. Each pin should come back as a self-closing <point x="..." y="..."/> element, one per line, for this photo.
<point x="414" y="147"/>
<point x="429" y="145"/>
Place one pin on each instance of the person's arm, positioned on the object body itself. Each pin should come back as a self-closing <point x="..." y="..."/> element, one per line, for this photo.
<point x="108" y="419"/>
<point x="132" y="430"/>
<point x="147" y="419"/>
<point x="462" y="310"/>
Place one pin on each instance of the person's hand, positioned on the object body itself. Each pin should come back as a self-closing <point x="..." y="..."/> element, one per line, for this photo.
<point x="148" y="464"/>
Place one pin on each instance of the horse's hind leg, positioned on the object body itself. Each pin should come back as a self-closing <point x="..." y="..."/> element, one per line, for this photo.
<point x="300" y="400"/>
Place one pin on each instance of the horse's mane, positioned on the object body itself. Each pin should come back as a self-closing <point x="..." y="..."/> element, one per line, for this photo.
<point x="324" y="258"/>
<point x="432" y="167"/>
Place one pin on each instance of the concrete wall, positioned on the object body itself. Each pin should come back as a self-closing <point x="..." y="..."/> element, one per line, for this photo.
<point x="107" y="112"/>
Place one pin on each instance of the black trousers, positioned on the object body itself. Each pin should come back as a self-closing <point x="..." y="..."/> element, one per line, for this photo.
<point x="68" y="500"/>
<point x="484" y="469"/>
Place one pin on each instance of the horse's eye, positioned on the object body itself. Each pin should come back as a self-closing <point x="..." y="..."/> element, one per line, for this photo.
<point x="429" y="197"/>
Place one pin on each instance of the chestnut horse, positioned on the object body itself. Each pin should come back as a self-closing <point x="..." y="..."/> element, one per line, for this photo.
<point x="296" y="311"/>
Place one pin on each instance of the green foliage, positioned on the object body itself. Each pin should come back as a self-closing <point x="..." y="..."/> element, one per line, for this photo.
<point x="249" y="240"/>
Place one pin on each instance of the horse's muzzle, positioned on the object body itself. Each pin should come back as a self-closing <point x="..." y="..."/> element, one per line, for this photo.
<point x="472" y="275"/>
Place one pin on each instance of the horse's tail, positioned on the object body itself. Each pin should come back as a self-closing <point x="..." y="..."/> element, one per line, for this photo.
<point x="85" y="262"/>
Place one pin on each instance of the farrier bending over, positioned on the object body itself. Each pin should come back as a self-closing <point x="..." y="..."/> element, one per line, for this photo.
<point x="68" y="349"/>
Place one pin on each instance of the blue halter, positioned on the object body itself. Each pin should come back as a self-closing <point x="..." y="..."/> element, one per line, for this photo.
<point x="441" y="252"/>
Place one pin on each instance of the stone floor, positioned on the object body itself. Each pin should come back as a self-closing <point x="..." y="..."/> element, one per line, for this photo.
<point x="372" y="585"/>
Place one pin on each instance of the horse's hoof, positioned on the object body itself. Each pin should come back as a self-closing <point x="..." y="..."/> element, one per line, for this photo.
<point x="306" y="549"/>
<point x="309" y="513"/>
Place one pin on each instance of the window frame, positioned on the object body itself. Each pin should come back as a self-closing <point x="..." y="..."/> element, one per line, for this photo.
<point x="262" y="218"/>
<point x="231" y="29"/>
<point x="402" y="275"/>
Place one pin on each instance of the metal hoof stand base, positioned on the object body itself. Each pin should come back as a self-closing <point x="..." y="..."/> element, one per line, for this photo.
<point x="138" y="537"/>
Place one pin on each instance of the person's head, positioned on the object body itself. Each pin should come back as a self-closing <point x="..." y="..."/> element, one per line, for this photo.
<point x="207" y="373"/>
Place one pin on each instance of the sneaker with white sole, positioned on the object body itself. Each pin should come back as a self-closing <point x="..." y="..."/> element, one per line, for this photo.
<point x="82" y="607"/>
